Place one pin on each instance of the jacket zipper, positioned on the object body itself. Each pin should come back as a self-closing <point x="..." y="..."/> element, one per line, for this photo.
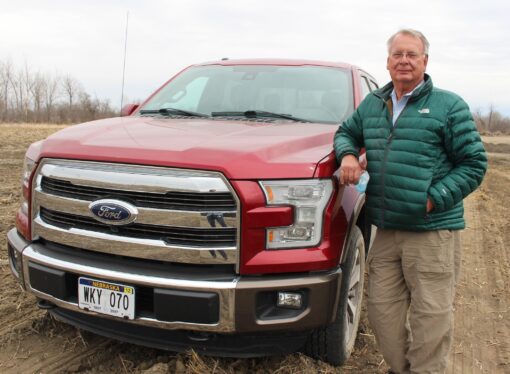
<point x="389" y="139"/>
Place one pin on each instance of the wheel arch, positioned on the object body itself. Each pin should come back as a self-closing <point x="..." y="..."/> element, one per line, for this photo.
<point x="357" y="218"/>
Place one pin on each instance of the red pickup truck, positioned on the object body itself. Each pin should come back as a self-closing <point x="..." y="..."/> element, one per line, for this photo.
<point x="209" y="217"/>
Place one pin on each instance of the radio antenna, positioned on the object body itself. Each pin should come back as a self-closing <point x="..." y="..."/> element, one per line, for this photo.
<point x="124" y="68"/>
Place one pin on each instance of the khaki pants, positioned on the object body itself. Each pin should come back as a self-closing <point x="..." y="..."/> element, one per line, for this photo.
<point x="412" y="276"/>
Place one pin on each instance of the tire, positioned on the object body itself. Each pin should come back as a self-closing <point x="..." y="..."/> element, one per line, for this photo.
<point x="335" y="342"/>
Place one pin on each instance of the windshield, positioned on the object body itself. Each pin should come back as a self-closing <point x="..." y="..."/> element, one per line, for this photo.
<point x="316" y="94"/>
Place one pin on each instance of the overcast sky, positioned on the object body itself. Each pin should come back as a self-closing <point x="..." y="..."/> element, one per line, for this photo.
<point x="469" y="53"/>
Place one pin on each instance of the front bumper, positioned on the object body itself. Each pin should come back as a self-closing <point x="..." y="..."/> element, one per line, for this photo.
<point x="245" y="304"/>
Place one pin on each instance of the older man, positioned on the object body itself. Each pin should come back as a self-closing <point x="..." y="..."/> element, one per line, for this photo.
<point x="424" y="157"/>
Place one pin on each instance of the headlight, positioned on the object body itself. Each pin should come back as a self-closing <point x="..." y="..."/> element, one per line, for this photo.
<point x="309" y="199"/>
<point x="28" y="168"/>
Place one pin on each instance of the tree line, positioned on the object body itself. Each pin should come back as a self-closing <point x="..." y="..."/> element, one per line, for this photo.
<point x="492" y="122"/>
<point x="36" y="97"/>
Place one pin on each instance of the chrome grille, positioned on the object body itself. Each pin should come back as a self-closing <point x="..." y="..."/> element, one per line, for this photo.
<point x="195" y="237"/>
<point x="171" y="200"/>
<point x="184" y="216"/>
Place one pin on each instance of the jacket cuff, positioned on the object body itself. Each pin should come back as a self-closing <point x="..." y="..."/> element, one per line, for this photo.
<point x="437" y="199"/>
<point x="343" y="154"/>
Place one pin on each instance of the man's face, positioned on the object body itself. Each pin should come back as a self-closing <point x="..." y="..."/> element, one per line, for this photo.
<point x="406" y="61"/>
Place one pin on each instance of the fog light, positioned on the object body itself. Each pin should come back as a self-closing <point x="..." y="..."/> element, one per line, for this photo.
<point x="291" y="300"/>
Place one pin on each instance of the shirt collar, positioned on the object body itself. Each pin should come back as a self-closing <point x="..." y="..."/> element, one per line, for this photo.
<point x="407" y="95"/>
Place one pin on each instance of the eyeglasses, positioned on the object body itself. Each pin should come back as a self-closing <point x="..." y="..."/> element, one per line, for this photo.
<point x="408" y="55"/>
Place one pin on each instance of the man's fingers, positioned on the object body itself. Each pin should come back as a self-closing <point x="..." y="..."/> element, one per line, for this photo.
<point x="344" y="176"/>
<point x="357" y="174"/>
<point x="349" y="176"/>
<point x="350" y="170"/>
<point x="352" y="173"/>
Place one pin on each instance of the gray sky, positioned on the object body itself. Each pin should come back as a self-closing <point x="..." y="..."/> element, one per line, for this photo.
<point x="469" y="53"/>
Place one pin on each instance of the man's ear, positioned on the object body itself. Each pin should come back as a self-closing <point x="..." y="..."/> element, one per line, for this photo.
<point x="426" y="61"/>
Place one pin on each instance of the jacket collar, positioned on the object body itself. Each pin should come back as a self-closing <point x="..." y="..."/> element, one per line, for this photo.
<point x="385" y="91"/>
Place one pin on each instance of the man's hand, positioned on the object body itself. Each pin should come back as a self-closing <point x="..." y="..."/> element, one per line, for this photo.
<point x="350" y="170"/>
<point x="430" y="205"/>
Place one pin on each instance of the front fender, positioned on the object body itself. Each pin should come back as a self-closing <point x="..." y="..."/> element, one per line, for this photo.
<point x="352" y="203"/>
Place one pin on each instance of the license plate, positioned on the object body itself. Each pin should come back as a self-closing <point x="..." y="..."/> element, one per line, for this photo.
<point x="106" y="298"/>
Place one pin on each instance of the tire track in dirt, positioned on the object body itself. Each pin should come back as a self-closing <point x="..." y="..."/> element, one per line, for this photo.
<point x="39" y="344"/>
<point x="36" y="357"/>
<point x="481" y="343"/>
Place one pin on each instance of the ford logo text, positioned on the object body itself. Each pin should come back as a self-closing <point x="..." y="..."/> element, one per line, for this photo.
<point x="113" y="212"/>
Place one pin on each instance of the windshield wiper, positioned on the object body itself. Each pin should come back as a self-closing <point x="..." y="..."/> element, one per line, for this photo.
<point x="258" y="114"/>
<point x="180" y="112"/>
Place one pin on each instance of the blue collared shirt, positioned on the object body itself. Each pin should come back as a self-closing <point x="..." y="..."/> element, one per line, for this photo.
<point x="399" y="105"/>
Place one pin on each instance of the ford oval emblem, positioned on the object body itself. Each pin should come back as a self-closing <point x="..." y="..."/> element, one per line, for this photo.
<point x="113" y="212"/>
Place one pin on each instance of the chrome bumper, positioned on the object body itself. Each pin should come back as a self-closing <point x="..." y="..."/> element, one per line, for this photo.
<point x="237" y="296"/>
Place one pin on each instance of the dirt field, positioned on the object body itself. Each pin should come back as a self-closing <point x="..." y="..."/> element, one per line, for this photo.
<point x="32" y="342"/>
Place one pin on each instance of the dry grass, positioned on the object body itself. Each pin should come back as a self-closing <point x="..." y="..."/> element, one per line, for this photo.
<point x="499" y="139"/>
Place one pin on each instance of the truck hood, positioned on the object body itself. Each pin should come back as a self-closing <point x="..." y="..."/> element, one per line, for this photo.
<point x="238" y="149"/>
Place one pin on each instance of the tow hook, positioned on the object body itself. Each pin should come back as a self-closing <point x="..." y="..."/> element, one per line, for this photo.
<point x="43" y="304"/>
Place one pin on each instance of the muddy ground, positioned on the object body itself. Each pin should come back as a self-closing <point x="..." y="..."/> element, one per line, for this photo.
<point x="33" y="342"/>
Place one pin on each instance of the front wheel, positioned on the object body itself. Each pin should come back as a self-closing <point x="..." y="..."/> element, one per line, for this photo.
<point x="334" y="343"/>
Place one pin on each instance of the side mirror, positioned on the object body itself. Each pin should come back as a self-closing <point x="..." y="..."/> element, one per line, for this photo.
<point x="128" y="109"/>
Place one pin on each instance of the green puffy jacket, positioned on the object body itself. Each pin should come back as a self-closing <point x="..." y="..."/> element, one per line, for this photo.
<point x="434" y="150"/>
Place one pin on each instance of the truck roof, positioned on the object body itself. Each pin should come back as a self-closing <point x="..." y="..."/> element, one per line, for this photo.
<point x="277" y="61"/>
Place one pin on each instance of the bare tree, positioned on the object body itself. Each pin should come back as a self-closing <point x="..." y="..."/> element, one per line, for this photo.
<point x="37" y="89"/>
<point x="480" y="120"/>
<point x="51" y="94"/>
<point x="25" y="84"/>
<point x="17" y="94"/>
<point x="489" y="121"/>
<point x="71" y="88"/>
<point x="4" y="91"/>
<point x="493" y="122"/>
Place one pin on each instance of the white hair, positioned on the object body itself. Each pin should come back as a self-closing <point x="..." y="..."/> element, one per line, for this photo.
<point x="414" y="33"/>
